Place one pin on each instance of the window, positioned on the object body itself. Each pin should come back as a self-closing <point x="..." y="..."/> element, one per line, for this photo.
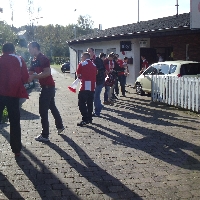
<point x="111" y="50"/>
<point x="163" y="69"/>
<point x="79" y="55"/>
<point x="172" y="69"/>
<point x="98" y="51"/>
<point x="190" y="69"/>
<point x="152" y="70"/>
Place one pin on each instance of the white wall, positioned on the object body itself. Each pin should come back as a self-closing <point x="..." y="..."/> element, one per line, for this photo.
<point x="135" y="54"/>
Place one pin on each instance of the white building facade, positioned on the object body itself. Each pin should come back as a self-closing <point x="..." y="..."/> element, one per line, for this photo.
<point x="107" y="47"/>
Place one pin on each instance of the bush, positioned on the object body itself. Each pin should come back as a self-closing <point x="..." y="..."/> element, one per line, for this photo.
<point x="5" y="115"/>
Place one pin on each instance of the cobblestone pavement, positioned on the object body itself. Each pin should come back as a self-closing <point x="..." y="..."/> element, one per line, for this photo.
<point x="137" y="149"/>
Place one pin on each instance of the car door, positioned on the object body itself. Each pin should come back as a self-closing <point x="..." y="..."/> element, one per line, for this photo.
<point x="146" y="80"/>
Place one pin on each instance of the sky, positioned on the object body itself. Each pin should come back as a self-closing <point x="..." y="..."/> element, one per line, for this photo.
<point x="108" y="13"/>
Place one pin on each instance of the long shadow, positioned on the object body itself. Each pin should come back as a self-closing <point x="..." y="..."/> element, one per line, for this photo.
<point x="151" y="106"/>
<point x="42" y="178"/>
<point x="93" y="173"/>
<point x="26" y="115"/>
<point x="162" y="146"/>
<point x="8" y="189"/>
<point x="148" y="115"/>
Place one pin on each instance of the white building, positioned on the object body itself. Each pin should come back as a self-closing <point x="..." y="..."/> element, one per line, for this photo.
<point x="170" y="36"/>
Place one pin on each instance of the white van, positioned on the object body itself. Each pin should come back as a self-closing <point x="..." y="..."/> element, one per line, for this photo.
<point x="177" y="68"/>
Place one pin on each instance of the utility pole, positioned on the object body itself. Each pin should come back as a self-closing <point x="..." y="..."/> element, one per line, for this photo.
<point x="138" y="10"/>
<point x="75" y="29"/>
<point x="177" y="7"/>
<point x="11" y="7"/>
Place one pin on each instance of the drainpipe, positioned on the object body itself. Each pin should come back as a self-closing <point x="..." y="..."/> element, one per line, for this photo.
<point x="76" y="60"/>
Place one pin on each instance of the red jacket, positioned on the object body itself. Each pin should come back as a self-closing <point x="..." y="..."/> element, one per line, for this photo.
<point x="13" y="76"/>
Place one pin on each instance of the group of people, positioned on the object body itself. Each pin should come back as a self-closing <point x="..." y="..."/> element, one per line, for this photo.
<point x="13" y="75"/>
<point x="96" y="73"/>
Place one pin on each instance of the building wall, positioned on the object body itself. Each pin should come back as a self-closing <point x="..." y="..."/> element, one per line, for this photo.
<point x="105" y="45"/>
<point x="179" y="44"/>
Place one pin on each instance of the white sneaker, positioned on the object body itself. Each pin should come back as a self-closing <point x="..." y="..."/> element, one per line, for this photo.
<point x="42" y="139"/>
<point x="60" y="130"/>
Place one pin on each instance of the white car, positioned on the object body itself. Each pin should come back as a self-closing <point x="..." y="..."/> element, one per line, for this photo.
<point x="177" y="68"/>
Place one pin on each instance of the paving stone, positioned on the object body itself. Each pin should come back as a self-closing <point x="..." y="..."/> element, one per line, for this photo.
<point x="137" y="149"/>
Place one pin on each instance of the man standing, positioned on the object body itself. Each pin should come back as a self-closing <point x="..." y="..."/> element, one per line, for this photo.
<point x="100" y="80"/>
<point x="92" y="54"/>
<point x="13" y="76"/>
<point x="160" y="58"/>
<point x="86" y="72"/>
<point x="121" y="77"/>
<point x="109" y="66"/>
<point x="41" y="66"/>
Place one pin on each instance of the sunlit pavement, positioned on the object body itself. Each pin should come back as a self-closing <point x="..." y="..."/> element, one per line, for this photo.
<point x="136" y="150"/>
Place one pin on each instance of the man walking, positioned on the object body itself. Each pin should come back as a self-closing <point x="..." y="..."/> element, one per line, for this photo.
<point x="13" y="76"/>
<point x="41" y="66"/>
<point x="86" y="71"/>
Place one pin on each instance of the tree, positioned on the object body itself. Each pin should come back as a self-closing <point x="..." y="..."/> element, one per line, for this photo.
<point x="85" y="25"/>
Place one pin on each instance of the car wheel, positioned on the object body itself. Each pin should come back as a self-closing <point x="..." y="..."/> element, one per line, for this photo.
<point x="139" y="89"/>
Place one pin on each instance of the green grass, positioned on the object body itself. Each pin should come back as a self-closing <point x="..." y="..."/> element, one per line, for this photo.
<point x="56" y="67"/>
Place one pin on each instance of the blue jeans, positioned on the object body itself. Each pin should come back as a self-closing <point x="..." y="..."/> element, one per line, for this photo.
<point x="122" y="81"/>
<point x="106" y="93"/>
<point x="97" y="99"/>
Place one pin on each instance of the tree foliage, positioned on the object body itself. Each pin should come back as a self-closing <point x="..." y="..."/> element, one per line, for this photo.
<point x="52" y="38"/>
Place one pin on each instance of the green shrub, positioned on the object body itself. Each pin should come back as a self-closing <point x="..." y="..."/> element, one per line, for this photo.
<point x="5" y="115"/>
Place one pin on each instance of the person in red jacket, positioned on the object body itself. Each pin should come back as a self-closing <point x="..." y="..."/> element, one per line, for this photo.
<point x="13" y="76"/>
<point x="145" y="64"/>
<point x="40" y="64"/>
<point x="86" y="72"/>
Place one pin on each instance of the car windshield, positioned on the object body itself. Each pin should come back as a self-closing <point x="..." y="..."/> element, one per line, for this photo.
<point x="152" y="70"/>
<point x="190" y="69"/>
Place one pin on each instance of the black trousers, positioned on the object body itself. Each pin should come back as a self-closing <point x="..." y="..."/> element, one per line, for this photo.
<point x="122" y="81"/>
<point x="13" y="109"/>
<point x="46" y="102"/>
<point x="85" y="103"/>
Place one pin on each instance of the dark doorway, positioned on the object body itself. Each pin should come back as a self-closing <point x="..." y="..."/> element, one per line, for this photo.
<point x="149" y="54"/>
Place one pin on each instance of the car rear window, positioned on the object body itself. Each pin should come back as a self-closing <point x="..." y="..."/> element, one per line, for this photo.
<point x="190" y="69"/>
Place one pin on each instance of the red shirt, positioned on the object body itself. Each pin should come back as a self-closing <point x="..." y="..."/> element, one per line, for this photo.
<point x="109" y="64"/>
<point x="121" y="64"/>
<point x="13" y="76"/>
<point x="88" y="71"/>
<point x="37" y="65"/>
<point x="145" y="64"/>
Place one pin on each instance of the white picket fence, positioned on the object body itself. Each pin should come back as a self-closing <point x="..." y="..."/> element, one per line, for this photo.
<point x="177" y="91"/>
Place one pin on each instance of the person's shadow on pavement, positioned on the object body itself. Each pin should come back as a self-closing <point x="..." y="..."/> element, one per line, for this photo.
<point x="108" y="184"/>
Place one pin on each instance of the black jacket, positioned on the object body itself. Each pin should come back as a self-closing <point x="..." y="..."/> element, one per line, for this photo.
<point x="100" y="78"/>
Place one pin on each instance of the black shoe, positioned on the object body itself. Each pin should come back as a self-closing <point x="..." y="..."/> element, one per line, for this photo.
<point x="95" y="115"/>
<point x="89" y="122"/>
<point x="82" y="123"/>
<point x="114" y="97"/>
